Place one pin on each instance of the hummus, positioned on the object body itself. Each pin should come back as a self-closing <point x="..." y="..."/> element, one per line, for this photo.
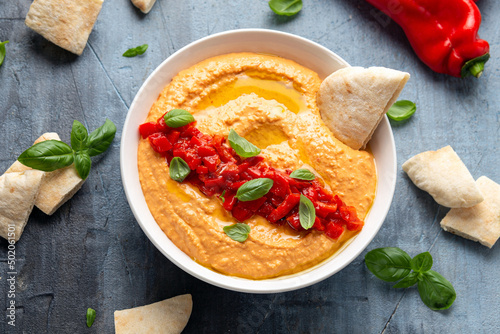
<point x="271" y="102"/>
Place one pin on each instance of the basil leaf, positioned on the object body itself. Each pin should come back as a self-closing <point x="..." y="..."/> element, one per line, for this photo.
<point x="254" y="189"/>
<point x="436" y="291"/>
<point x="222" y="196"/>
<point x="179" y="169"/>
<point x="47" y="155"/>
<point x="401" y="110"/>
<point x="79" y="136"/>
<point x="389" y="264"/>
<point x="100" y="139"/>
<point x="303" y="174"/>
<point x="83" y="164"/>
<point x="408" y="281"/>
<point x="243" y="147"/>
<point x="238" y="232"/>
<point x="422" y="262"/>
<point x="286" y="7"/>
<point x="176" y="118"/>
<point x="138" y="50"/>
<point x="307" y="212"/>
<point x="2" y="51"/>
<point x="90" y="316"/>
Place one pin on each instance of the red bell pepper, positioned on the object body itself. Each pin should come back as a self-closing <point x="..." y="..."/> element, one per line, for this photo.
<point x="443" y="33"/>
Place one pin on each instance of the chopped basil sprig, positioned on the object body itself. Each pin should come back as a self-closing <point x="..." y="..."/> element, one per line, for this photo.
<point x="50" y="155"/>
<point x="176" y="118"/>
<point x="90" y="316"/>
<point x="401" y="110"/>
<point x="286" y="7"/>
<point x="139" y="50"/>
<point x="307" y="212"/>
<point x="238" y="232"/>
<point x="254" y="189"/>
<point x="179" y="169"/>
<point x="2" y="51"/>
<point x="303" y="174"/>
<point x="392" y="264"/>
<point x="243" y="147"/>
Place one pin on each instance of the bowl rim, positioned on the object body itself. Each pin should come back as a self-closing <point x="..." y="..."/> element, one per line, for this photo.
<point x="280" y="284"/>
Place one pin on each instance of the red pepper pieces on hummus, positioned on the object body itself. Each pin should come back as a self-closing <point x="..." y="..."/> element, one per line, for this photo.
<point x="216" y="170"/>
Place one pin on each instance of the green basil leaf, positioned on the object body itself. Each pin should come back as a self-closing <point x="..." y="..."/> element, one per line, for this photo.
<point x="286" y="7"/>
<point x="222" y="196"/>
<point x="176" y="118"/>
<point x="389" y="264"/>
<point x="243" y="147"/>
<point x="436" y="291"/>
<point x="90" y="316"/>
<point x="238" y="232"/>
<point x="83" y="164"/>
<point x="79" y="136"/>
<point x="401" y="110"/>
<point x="138" y="50"/>
<point x="254" y="189"/>
<point x="179" y="169"/>
<point x="408" y="281"/>
<point x="303" y="174"/>
<point x="422" y="262"/>
<point x="100" y="139"/>
<point x="307" y="212"/>
<point x="47" y="155"/>
<point x="2" y="51"/>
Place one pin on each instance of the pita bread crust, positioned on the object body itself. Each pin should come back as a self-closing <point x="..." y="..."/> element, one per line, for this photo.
<point x="443" y="175"/>
<point x="166" y="317"/>
<point x="57" y="187"/>
<point x="353" y="100"/>
<point x="481" y="222"/>
<point x="66" y="23"/>
<point x="17" y="196"/>
<point x="144" y="5"/>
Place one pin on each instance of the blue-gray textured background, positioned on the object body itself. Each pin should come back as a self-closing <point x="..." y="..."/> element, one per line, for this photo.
<point x="92" y="252"/>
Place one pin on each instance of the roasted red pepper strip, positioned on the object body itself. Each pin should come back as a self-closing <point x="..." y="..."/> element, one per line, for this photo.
<point x="442" y="33"/>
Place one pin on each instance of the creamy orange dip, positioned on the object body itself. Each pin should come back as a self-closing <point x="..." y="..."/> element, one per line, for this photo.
<point x="271" y="102"/>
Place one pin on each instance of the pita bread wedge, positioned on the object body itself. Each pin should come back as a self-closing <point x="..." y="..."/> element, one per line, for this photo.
<point x="166" y="317"/>
<point x="481" y="222"/>
<point x="17" y="197"/>
<point x="57" y="187"/>
<point x="66" y="23"/>
<point x="144" y="5"/>
<point x="443" y="175"/>
<point x="353" y="100"/>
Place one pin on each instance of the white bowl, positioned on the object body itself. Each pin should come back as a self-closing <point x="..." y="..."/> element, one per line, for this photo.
<point x="303" y="51"/>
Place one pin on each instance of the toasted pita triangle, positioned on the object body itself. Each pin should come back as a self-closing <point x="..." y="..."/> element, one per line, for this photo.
<point x="166" y="317"/>
<point x="17" y="197"/>
<point x="66" y="23"/>
<point x="144" y="5"/>
<point x="58" y="186"/>
<point x="481" y="222"/>
<point x="443" y="175"/>
<point x="353" y="100"/>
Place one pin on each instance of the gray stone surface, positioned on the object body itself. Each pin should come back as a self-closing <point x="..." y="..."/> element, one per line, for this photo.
<point x="92" y="252"/>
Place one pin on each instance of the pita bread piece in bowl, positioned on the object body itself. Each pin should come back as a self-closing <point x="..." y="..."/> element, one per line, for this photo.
<point x="192" y="173"/>
<point x="354" y="100"/>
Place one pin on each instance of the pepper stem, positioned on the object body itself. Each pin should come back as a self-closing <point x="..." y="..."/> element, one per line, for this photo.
<point x="477" y="69"/>
<point x="475" y="66"/>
